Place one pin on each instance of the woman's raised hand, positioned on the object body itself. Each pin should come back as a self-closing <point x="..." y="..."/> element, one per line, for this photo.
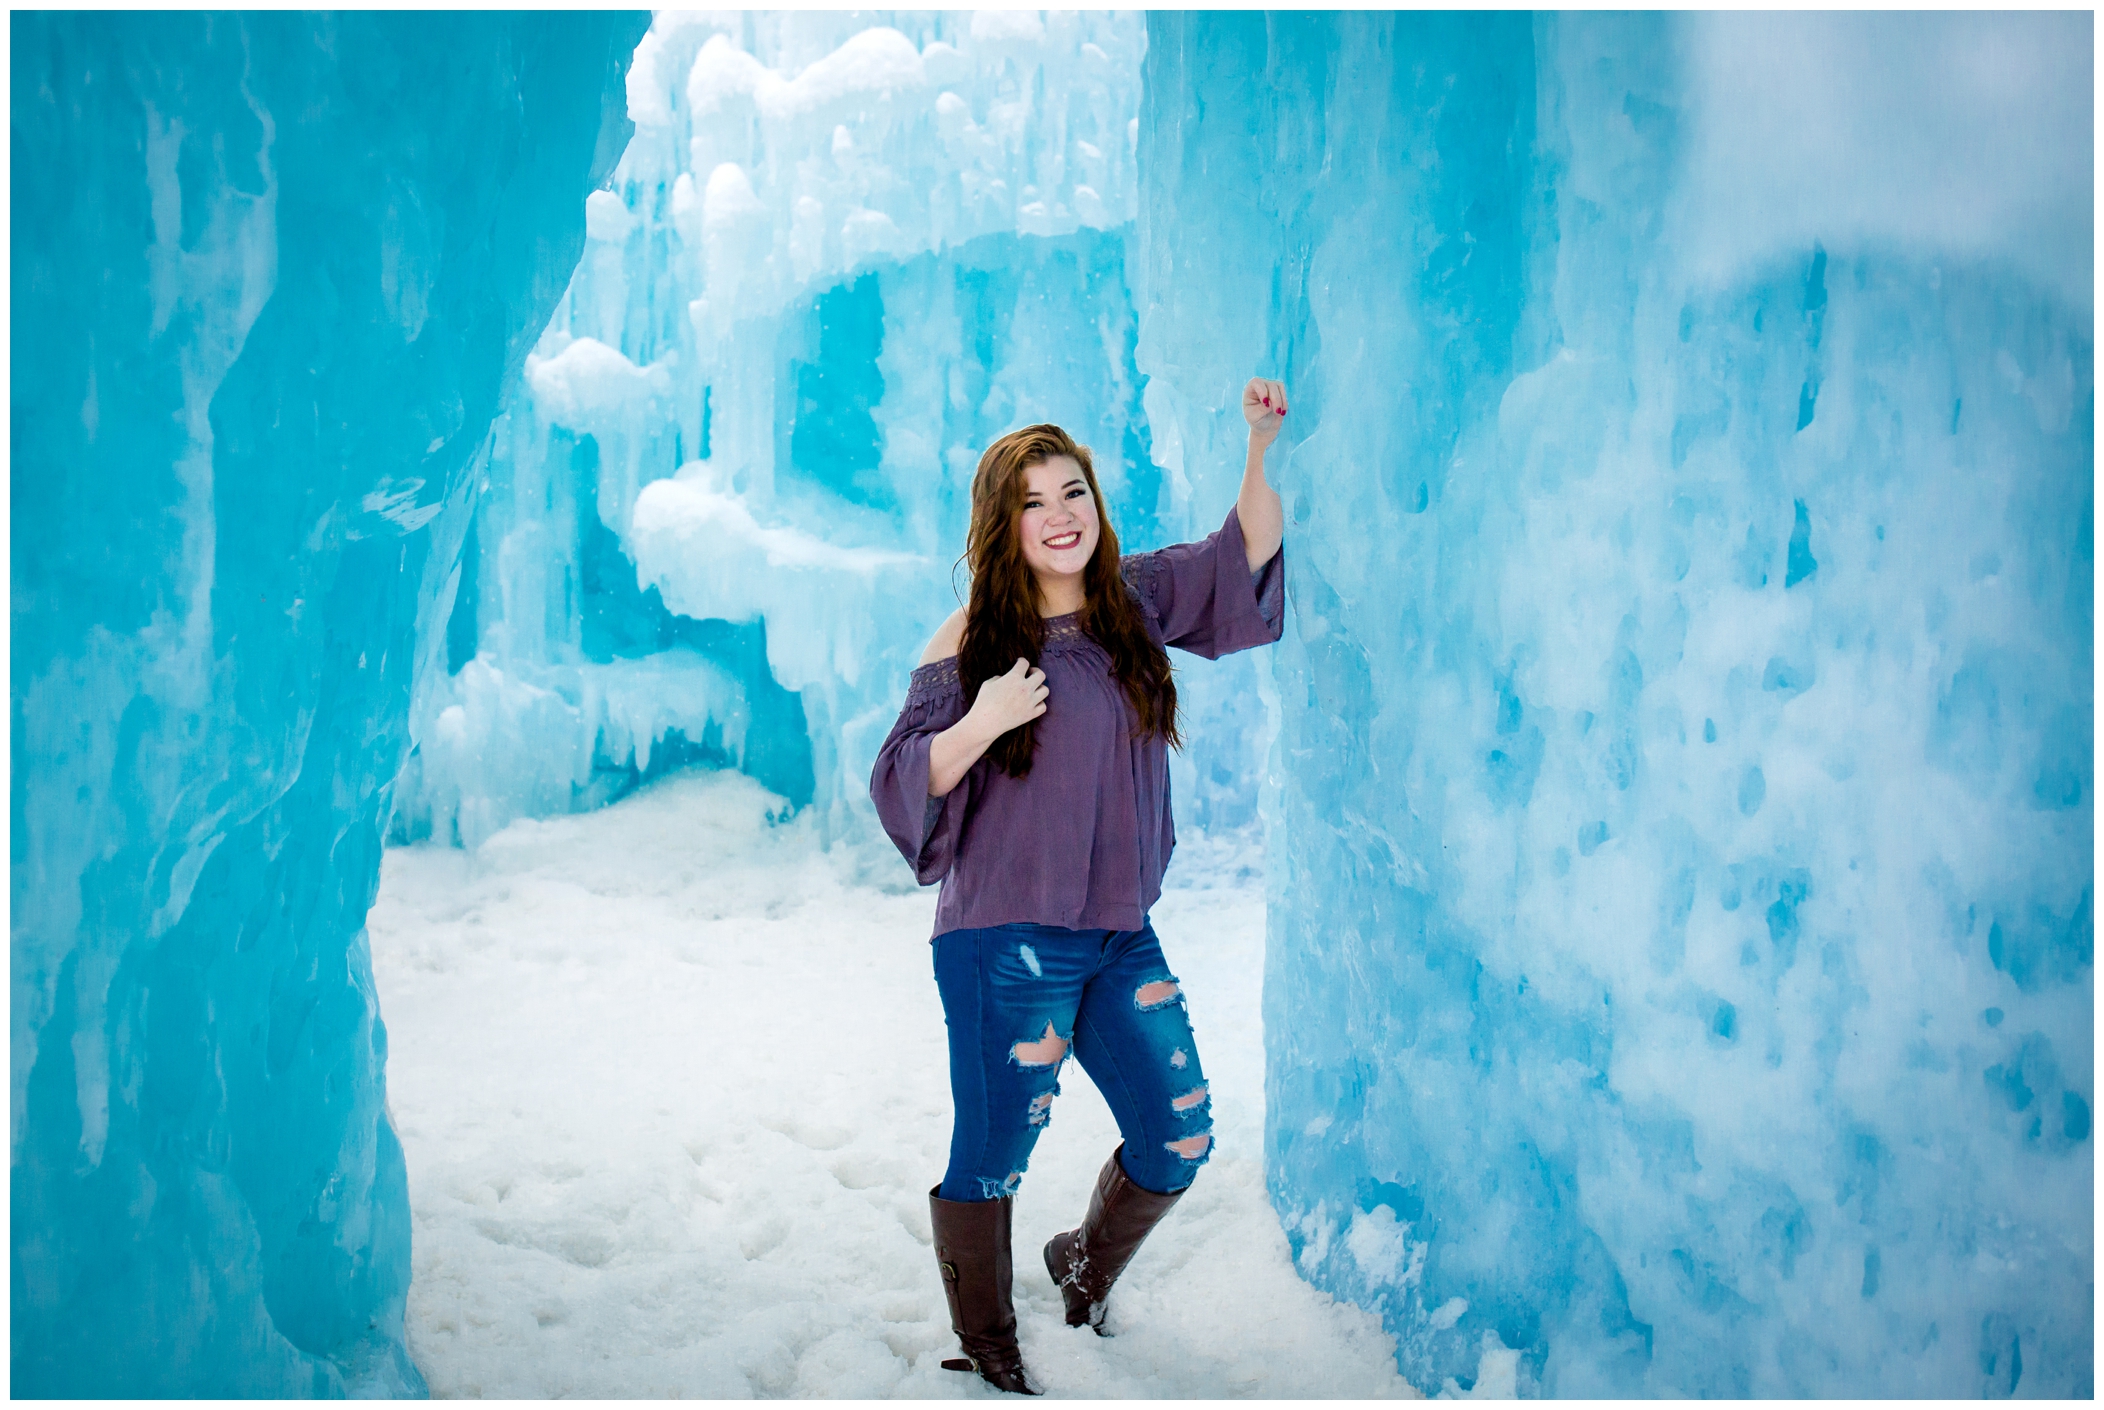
<point x="1264" y="408"/>
<point x="1009" y="700"/>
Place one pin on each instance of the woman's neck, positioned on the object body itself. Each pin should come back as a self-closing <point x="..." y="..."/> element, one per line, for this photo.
<point x="1058" y="596"/>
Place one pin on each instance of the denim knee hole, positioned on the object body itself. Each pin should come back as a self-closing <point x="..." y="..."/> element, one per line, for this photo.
<point x="1157" y="993"/>
<point x="1047" y="1051"/>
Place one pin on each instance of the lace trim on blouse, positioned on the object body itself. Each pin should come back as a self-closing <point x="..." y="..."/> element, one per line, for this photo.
<point x="1065" y="633"/>
<point x="1143" y="574"/>
<point x="934" y="682"/>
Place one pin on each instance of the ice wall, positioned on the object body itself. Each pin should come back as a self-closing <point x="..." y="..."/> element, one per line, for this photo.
<point x="270" y="275"/>
<point x="841" y="255"/>
<point x="1680" y="970"/>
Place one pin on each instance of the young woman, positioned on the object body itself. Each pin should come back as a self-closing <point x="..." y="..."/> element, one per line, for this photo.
<point x="1028" y="773"/>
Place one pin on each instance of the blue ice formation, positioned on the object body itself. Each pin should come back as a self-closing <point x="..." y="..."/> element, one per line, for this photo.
<point x="840" y="255"/>
<point x="271" y="273"/>
<point x="1681" y="940"/>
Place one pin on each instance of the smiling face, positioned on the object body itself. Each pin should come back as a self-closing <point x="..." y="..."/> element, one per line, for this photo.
<point x="1059" y="527"/>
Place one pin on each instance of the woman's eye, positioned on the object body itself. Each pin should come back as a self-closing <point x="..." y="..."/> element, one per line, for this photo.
<point x="1077" y="490"/>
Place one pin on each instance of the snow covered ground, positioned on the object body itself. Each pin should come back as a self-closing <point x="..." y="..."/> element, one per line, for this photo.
<point x="673" y="1092"/>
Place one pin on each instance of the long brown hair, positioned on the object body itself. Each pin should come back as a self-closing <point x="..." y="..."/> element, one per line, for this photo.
<point x="1002" y="621"/>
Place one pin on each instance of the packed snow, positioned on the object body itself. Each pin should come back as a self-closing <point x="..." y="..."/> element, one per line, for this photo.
<point x="672" y="1088"/>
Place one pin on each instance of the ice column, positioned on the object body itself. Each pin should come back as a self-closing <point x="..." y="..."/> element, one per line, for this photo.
<point x="1680" y="973"/>
<point x="271" y="272"/>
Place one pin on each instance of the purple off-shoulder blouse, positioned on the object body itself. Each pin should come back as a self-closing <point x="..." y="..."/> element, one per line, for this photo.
<point x="1083" y="840"/>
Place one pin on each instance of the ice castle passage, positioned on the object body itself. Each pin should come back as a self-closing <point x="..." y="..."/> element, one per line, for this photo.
<point x="1677" y="772"/>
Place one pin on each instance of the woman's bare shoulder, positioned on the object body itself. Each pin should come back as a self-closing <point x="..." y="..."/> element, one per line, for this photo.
<point x="948" y="637"/>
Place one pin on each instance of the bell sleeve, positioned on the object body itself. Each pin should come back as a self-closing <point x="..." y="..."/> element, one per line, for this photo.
<point x="1203" y="596"/>
<point x="925" y="830"/>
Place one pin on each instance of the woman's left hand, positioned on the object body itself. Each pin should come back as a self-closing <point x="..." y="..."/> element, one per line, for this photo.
<point x="1264" y="408"/>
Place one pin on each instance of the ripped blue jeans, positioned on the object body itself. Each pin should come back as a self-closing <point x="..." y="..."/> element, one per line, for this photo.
<point x="1018" y="999"/>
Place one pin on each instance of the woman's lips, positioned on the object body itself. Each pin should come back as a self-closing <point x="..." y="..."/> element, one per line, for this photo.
<point x="1064" y="541"/>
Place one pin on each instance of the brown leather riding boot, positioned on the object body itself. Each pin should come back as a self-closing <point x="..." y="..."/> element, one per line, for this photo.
<point x="971" y="1246"/>
<point x="1086" y="1261"/>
